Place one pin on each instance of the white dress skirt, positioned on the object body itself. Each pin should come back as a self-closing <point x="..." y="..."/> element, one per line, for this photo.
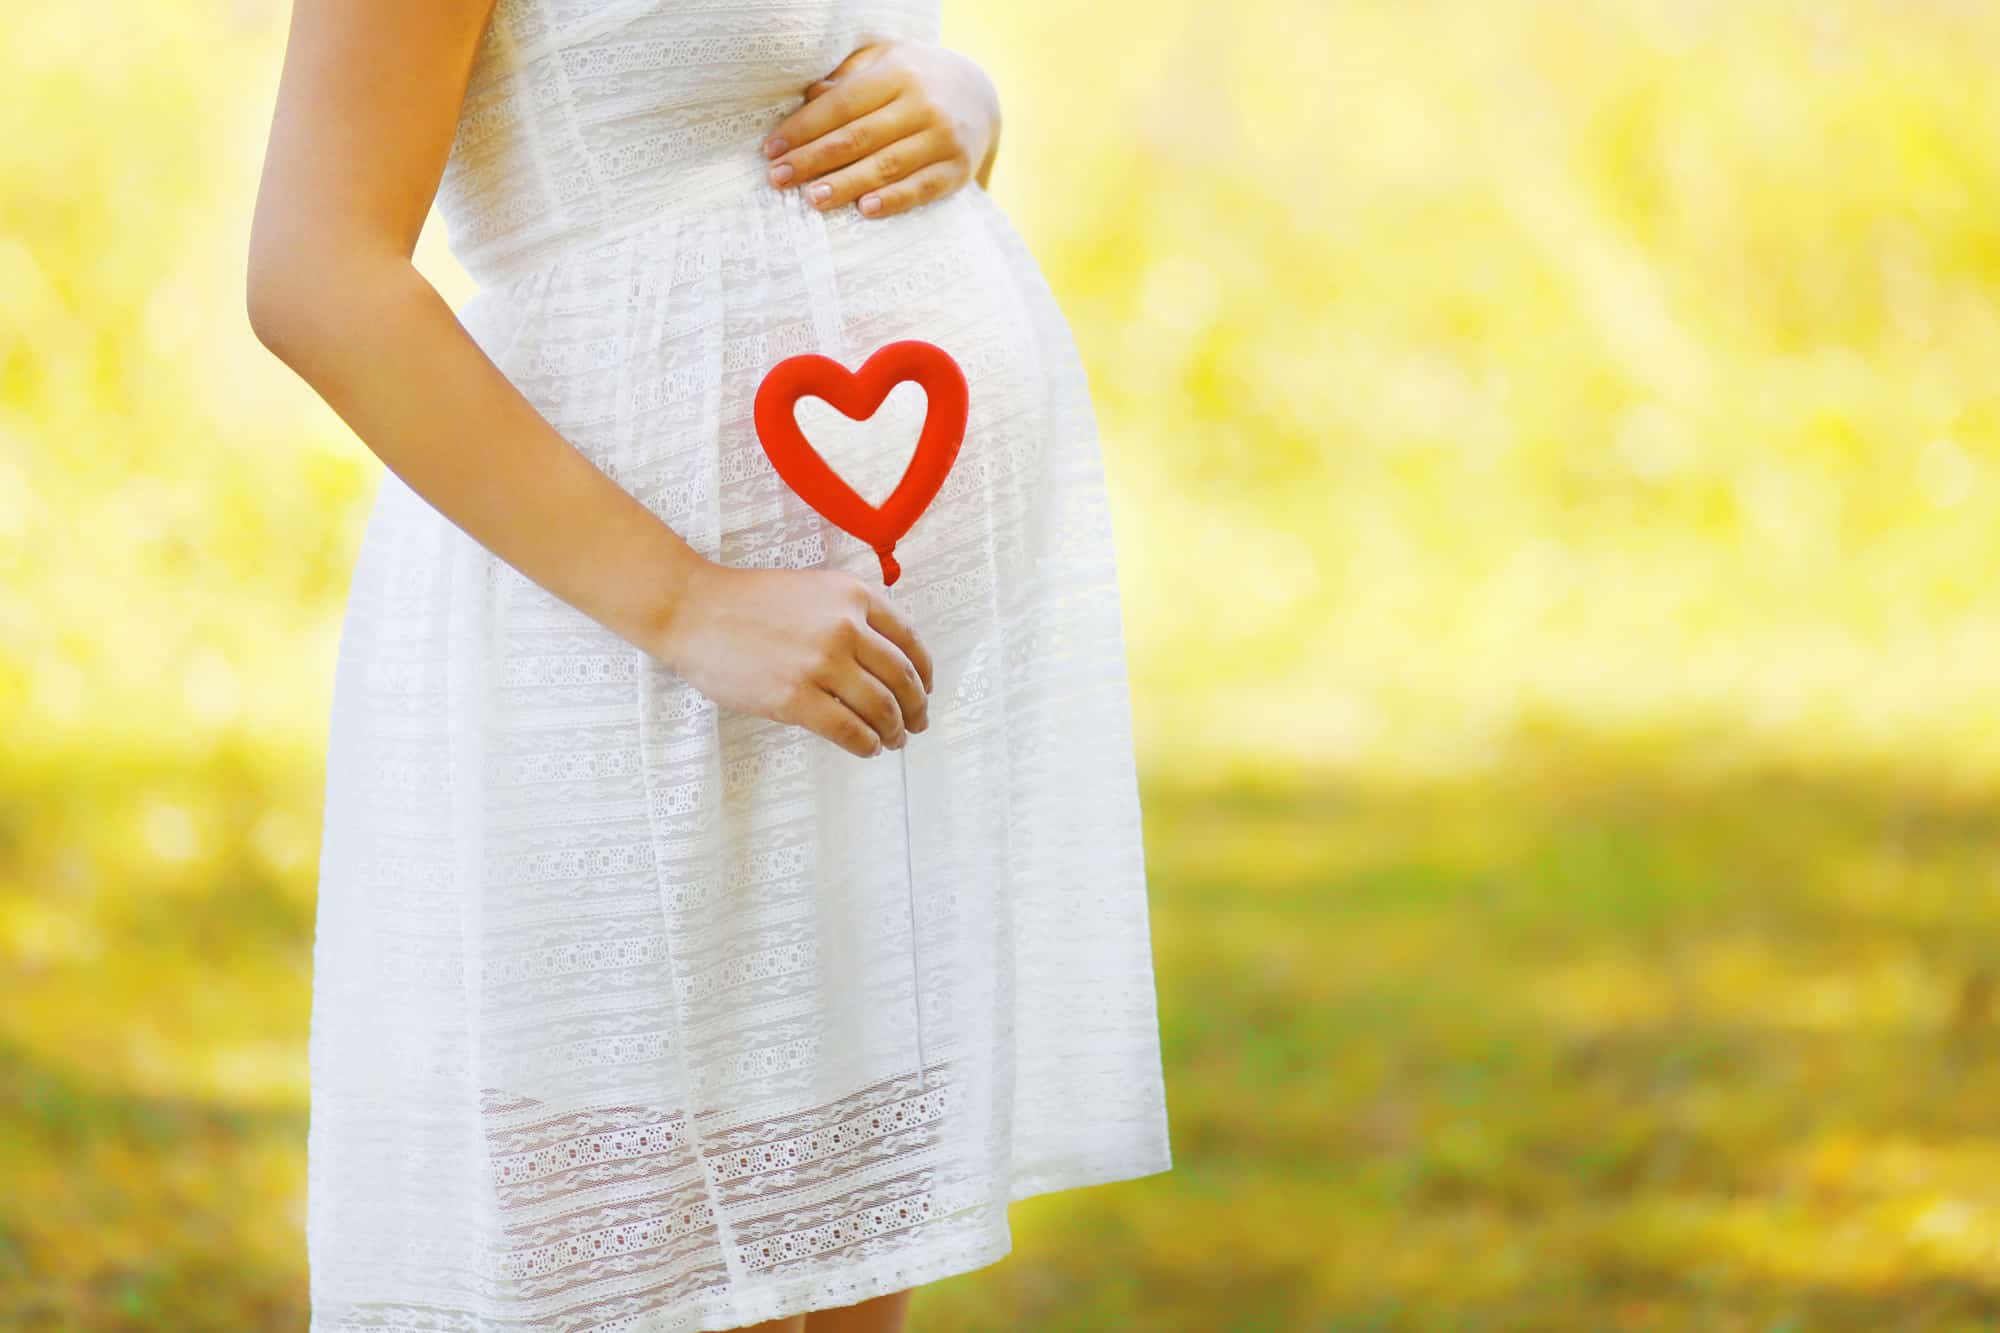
<point x="634" y="1013"/>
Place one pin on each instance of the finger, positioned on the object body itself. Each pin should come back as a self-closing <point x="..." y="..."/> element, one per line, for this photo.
<point x="815" y="89"/>
<point x="885" y="166"/>
<point x="871" y="700"/>
<point x="888" y="620"/>
<point x="846" y="143"/>
<point x="826" y="716"/>
<point x="893" y="667"/>
<point x="849" y="99"/>
<point x="919" y="187"/>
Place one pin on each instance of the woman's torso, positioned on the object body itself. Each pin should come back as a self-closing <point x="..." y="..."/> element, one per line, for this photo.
<point x="640" y="275"/>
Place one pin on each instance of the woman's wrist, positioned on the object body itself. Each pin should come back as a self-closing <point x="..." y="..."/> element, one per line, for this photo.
<point x="672" y="601"/>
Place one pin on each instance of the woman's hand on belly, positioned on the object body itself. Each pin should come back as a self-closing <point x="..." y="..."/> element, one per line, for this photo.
<point x="894" y="125"/>
<point x="816" y="648"/>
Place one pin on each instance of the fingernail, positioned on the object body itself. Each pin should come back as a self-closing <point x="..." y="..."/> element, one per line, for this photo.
<point x="871" y="203"/>
<point x="819" y="190"/>
<point x="781" y="173"/>
<point x="773" y="147"/>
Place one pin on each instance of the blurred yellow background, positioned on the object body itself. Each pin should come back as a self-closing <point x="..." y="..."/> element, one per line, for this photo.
<point x="1556" y="465"/>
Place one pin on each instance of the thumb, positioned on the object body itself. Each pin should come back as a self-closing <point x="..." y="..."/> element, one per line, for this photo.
<point x="859" y="56"/>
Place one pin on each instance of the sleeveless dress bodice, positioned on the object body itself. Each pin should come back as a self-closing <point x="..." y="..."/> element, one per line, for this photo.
<point x="582" y="119"/>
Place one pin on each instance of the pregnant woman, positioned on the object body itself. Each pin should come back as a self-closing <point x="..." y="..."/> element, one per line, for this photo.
<point x="707" y="933"/>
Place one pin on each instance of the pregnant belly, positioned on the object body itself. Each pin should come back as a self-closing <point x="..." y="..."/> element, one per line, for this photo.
<point x="645" y="350"/>
<point x="944" y="275"/>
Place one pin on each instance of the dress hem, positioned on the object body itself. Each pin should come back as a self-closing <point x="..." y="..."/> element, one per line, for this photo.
<point x="881" y="1276"/>
<point x="897" y="1273"/>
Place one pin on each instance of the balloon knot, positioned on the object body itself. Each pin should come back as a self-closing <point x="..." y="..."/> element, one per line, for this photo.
<point x="891" y="571"/>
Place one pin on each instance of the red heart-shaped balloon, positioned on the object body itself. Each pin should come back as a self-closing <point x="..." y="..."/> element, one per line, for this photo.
<point x="856" y="395"/>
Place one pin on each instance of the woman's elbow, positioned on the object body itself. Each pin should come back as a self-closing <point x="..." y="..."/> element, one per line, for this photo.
<point x="305" y="286"/>
<point x="272" y="299"/>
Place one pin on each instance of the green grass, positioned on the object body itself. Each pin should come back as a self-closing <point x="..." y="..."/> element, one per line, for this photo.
<point x="1618" y="1035"/>
<point x="1615" y="1037"/>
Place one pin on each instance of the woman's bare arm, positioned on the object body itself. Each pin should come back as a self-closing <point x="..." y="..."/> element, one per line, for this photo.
<point x="365" y="115"/>
<point x="366" y="111"/>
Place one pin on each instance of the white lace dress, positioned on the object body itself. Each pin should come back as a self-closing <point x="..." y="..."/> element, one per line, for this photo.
<point x="619" y="1017"/>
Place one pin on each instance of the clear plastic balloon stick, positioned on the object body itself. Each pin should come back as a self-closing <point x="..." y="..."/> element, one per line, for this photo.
<point x="910" y="878"/>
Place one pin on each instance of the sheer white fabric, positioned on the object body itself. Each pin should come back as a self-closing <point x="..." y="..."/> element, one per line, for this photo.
<point x="619" y="1018"/>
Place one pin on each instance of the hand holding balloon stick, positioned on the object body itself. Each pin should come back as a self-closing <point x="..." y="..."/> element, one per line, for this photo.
<point x="857" y="395"/>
